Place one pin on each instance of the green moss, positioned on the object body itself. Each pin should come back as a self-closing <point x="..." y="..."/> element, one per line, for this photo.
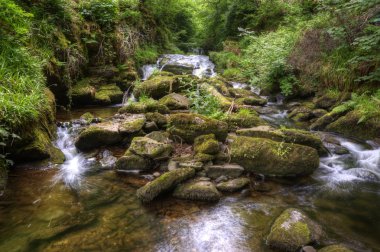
<point x="164" y="183"/>
<point x="104" y="134"/>
<point x="350" y="125"/>
<point x="267" y="157"/>
<point x="87" y="117"/>
<point x="108" y="94"/>
<point x="83" y="92"/>
<point x="220" y="85"/>
<point x="175" y="101"/>
<point x="206" y="144"/>
<point x="159" y="86"/>
<point x="144" y="107"/>
<point x="303" y="137"/>
<point x="133" y="162"/>
<point x="197" y="190"/>
<point x="189" y="126"/>
<point x="251" y="101"/>
<point x="239" y="120"/>
<point x="292" y="230"/>
<point x="335" y="248"/>
<point x="150" y="148"/>
<point x="160" y="120"/>
<point x="132" y="124"/>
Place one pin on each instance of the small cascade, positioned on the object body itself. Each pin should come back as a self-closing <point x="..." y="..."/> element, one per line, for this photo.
<point x="359" y="164"/>
<point x="201" y="65"/>
<point x="72" y="170"/>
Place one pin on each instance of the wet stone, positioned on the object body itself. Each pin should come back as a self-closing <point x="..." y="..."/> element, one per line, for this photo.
<point x="228" y="170"/>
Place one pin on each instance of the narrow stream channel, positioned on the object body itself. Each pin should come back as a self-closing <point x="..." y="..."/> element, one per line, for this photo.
<point x="83" y="205"/>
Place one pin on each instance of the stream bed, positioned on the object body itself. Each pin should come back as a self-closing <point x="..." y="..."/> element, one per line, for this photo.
<point x="82" y="205"/>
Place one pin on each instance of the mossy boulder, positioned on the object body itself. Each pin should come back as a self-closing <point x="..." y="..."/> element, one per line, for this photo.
<point x="327" y="100"/>
<point x="178" y="68"/>
<point x="159" y="86"/>
<point x="175" y="101"/>
<point x="83" y="93"/>
<point x="271" y="158"/>
<point x="220" y="85"/>
<point x="108" y="94"/>
<point x="351" y="125"/>
<point x="144" y="107"/>
<point x="335" y="248"/>
<point x="303" y="137"/>
<point x="233" y="185"/>
<point x="224" y="101"/>
<point x="301" y="114"/>
<point x="102" y="134"/>
<point x="150" y="148"/>
<point x="159" y="119"/>
<point x="206" y="144"/>
<point x="264" y="131"/>
<point x="132" y="124"/>
<point x="87" y="117"/>
<point x="319" y="113"/>
<point x="164" y="183"/>
<point x="131" y="161"/>
<point x="159" y="136"/>
<point x="236" y="121"/>
<point x="251" y="101"/>
<point x="240" y="93"/>
<point x="292" y="230"/>
<point x="328" y="118"/>
<point x="197" y="190"/>
<point x="189" y="126"/>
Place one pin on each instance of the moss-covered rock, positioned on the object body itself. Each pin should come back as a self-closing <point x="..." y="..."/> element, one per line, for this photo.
<point x="224" y="101"/>
<point x="301" y="114"/>
<point x="189" y="126"/>
<point x="108" y="94"/>
<point x="206" y="144"/>
<point x="319" y="113"/>
<point x="175" y="101"/>
<point x="83" y="93"/>
<point x="240" y="93"/>
<point x="267" y="157"/>
<point x="264" y="131"/>
<point x="87" y="117"/>
<point x="103" y="134"/>
<point x="220" y="85"/>
<point x="239" y="120"/>
<point x="159" y="136"/>
<point x="132" y="124"/>
<point x="327" y="101"/>
<point x="164" y="183"/>
<point x="335" y="248"/>
<point x="197" y="190"/>
<point x="351" y="125"/>
<point x="159" y="119"/>
<point x="233" y="185"/>
<point x="178" y="68"/>
<point x="144" y="107"/>
<point x="159" y="86"/>
<point x="131" y="161"/>
<point x="251" y="101"/>
<point x="292" y="230"/>
<point x="149" y="148"/>
<point x="328" y="118"/>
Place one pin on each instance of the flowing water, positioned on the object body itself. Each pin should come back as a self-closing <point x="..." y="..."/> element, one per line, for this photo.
<point x="83" y="205"/>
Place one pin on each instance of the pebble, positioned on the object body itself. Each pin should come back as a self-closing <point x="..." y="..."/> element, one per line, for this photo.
<point x="156" y="174"/>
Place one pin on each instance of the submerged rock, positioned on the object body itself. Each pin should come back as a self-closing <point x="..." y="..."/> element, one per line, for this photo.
<point x="228" y="170"/>
<point x="103" y="134"/>
<point x="197" y="190"/>
<point x="292" y="230"/>
<point x="164" y="183"/>
<point x="233" y="185"/>
<point x="175" y="101"/>
<point x="335" y="248"/>
<point x="267" y="157"/>
<point x="189" y="126"/>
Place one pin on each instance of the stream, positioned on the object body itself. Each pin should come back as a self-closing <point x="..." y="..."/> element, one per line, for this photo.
<point x="83" y="205"/>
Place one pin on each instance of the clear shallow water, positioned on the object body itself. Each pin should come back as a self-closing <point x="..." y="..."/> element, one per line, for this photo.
<point x="80" y="205"/>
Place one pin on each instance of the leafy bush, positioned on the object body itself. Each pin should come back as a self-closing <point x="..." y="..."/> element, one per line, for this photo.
<point x="103" y="12"/>
<point x="146" y="55"/>
<point x="204" y="103"/>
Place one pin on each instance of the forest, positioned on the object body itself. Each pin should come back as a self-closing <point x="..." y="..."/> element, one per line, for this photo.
<point x="189" y="125"/>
